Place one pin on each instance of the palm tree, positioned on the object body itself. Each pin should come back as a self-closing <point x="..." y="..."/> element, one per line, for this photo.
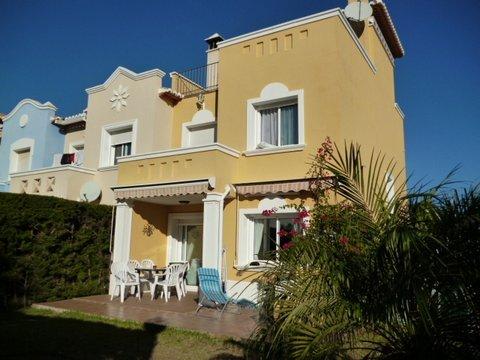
<point x="373" y="275"/>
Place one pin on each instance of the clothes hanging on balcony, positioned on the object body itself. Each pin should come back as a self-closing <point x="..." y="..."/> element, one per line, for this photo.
<point x="67" y="159"/>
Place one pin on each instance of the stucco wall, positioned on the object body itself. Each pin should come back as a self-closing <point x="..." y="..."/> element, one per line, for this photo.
<point x="344" y="98"/>
<point x="154" y="217"/>
<point x="66" y="185"/>
<point x="72" y="138"/>
<point x="47" y="138"/>
<point x="153" y="116"/>
<point x="185" y="110"/>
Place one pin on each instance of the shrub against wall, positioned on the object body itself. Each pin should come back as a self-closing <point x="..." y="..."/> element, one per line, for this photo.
<point x="51" y="248"/>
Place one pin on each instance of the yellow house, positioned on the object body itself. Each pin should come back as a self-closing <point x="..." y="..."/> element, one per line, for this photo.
<point x="237" y="134"/>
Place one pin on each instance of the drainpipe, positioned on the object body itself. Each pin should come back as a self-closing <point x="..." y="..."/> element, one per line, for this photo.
<point x="220" y="235"/>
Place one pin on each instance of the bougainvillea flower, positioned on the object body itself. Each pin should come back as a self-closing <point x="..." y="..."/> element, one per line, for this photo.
<point x="343" y="240"/>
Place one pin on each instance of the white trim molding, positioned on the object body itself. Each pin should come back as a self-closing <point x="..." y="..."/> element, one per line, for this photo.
<point x="275" y="150"/>
<point x="172" y="231"/>
<point x="212" y="248"/>
<point x="400" y="111"/>
<point x="54" y="168"/>
<point x="73" y="144"/>
<point x="373" y="23"/>
<point x="273" y="94"/>
<point x="182" y="151"/>
<point x="203" y="120"/>
<point x="299" y="22"/>
<point x="107" y="168"/>
<point x="20" y="145"/>
<point x="37" y="104"/>
<point x="280" y="27"/>
<point x="122" y="236"/>
<point x="245" y="229"/>
<point x="128" y="73"/>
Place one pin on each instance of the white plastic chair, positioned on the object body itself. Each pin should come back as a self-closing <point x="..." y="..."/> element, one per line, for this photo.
<point x="183" y="278"/>
<point x="147" y="276"/>
<point x="147" y="263"/>
<point x="171" y="278"/>
<point x="124" y="278"/>
<point x="132" y="266"/>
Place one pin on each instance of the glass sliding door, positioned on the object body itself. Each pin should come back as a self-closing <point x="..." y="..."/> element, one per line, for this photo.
<point x="190" y="237"/>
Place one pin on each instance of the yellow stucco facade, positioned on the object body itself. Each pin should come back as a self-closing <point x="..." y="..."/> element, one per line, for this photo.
<point x="343" y="85"/>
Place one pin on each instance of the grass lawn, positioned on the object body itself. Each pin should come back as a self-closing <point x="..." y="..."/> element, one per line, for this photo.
<point x="34" y="334"/>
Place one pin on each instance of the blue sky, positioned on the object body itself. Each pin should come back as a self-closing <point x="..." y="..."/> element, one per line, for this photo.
<point x="53" y="50"/>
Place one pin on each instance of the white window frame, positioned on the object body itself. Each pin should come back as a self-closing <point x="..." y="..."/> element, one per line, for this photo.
<point x="106" y="158"/>
<point x="274" y="105"/>
<point x="202" y="120"/>
<point x="72" y="147"/>
<point x="272" y="99"/>
<point x="245" y="235"/>
<point x="18" y="146"/>
<point x="112" y="152"/>
<point x="173" y="252"/>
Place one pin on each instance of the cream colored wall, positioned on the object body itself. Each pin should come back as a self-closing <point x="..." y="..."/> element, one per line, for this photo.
<point x="73" y="137"/>
<point x="106" y="179"/>
<point x="153" y="116"/>
<point x="154" y="217"/>
<point x="67" y="183"/>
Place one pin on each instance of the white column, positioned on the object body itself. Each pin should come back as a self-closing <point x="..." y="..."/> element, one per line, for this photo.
<point x="212" y="231"/>
<point x="121" y="237"/>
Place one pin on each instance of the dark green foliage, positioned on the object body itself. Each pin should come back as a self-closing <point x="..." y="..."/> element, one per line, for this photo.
<point x="384" y="275"/>
<point x="51" y="248"/>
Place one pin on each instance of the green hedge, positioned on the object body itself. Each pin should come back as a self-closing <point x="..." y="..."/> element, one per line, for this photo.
<point x="52" y="249"/>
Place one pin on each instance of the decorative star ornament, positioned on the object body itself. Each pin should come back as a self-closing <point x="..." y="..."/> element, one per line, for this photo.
<point x="119" y="99"/>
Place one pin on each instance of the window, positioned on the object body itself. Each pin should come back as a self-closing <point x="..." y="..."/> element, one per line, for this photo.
<point x="79" y="150"/>
<point x="278" y="126"/>
<point x="21" y="155"/>
<point x="121" y="150"/>
<point x="271" y="234"/>
<point x="118" y="140"/>
<point x="275" y="121"/>
<point x="23" y="160"/>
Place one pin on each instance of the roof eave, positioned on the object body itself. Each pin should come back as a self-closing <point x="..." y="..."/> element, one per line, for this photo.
<point x="385" y="22"/>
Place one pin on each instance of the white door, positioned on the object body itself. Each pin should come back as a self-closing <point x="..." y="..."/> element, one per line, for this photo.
<point x="186" y="242"/>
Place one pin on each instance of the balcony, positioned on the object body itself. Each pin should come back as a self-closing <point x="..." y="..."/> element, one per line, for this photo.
<point x="195" y="81"/>
<point x="61" y="181"/>
<point x="213" y="161"/>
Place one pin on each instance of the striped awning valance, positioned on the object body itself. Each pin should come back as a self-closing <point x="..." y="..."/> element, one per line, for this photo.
<point x="139" y="192"/>
<point x="284" y="187"/>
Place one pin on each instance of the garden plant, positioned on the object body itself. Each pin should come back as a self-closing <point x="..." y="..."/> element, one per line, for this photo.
<point x="378" y="271"/>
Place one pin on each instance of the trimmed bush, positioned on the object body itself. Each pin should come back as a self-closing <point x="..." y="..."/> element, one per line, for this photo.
<point x="52" y="249"/>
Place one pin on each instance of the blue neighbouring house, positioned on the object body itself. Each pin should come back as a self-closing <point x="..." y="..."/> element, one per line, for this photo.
<point x="30" y="139"/>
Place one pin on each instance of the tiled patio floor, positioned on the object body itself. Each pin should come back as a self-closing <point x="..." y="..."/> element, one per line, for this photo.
<point x="180" y="314"/>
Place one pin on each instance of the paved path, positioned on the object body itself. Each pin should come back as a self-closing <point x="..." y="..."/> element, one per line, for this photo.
<point x="180" y="314"/>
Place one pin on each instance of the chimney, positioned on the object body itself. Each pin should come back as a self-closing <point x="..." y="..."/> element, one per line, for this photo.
<point x="213" y="41"/>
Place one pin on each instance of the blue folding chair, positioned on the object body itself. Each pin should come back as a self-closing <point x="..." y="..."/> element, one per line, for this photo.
<point x="211" y="287"/>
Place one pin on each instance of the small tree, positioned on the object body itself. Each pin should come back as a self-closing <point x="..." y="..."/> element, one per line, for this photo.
<point x="369" y="266"/>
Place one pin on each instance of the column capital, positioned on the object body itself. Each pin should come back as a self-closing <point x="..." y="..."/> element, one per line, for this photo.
<point x="213" y="197"/>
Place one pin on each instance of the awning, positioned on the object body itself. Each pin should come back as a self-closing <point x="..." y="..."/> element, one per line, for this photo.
<point x="284" y="187"/>
<point x="150" y="191"/>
